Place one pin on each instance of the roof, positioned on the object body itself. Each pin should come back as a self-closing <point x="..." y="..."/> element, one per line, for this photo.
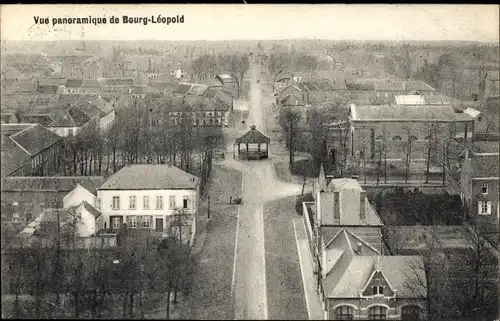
<point x="472" y="112"/>
<point x="91" y="209"/>
<point x="439" y="99"/>
<point x="91" y="82"/>
<point x="71" y="116"/>
<point x="103" y="105"/>
<point x="485" y="165"/>
<point x="47" y="89"/>
<point x="9" y="118"/>
<point x="253" y="136"/>
<point x="145" y="176"/>
<point x="291" y="100"/>
<point x="42" y="119"/>
<point x="410" y="100"/>
<point x="211" y="82"/>
<point x="52" y="81"/>
<point x="398" y="271"/>
<point x="182" y="88"/>
<point x="74" y="83"/>
<point x="13" y="157"/>
<point x="227" y="78"/>
<point x="35" y="138"/>
<point x="406" y="113"/>
<point x="23" y="86"/>
<point x="116" y="81"/>
<point x="51" y="184"/>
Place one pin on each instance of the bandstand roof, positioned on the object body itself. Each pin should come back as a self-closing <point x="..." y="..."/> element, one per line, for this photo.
<point x="253" y="136"/>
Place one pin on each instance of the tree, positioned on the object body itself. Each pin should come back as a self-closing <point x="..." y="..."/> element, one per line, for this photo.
<point x="118" y="61"/>
<point x="307" y="62"/>
<point x="408" y="149"/>
<point x="288" y="119"/>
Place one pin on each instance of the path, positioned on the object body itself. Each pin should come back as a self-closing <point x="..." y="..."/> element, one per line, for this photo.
<point x="260" y="186"/>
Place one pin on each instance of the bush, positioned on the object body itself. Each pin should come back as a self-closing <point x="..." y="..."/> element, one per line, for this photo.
<point x="302" y="198"/>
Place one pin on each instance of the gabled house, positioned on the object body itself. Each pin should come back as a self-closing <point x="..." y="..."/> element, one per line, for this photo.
<point x="32" y="151"/>
<point x="100" y="111"/>
<point x="152" y="197"/>
<point x="24" y="197"/>
<point x="296" y="89"/>
<point x="356" y="280"/>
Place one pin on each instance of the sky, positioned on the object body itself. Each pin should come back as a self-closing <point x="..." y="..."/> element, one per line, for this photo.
<point x="258" y="22"/>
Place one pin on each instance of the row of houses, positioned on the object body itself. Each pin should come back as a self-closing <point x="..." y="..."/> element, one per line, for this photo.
<point x="142" y="197"/>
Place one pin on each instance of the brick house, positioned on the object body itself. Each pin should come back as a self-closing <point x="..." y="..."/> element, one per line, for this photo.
<point x="373" y="125"/>
<point x="31" y="151"/>
<point x="356" y="280"/>
<point x="480" y="185"/>
<point x="24" y="197"/>
<point x="296" y="89"/>
<point x="150" y="197"/>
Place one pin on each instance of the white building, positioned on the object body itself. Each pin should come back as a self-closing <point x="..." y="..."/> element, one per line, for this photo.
<point x="148" y="197"/>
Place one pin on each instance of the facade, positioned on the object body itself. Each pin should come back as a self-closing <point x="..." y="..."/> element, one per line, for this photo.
<point x="33" y="151"/>
<point x="355" y="279"/>
<point x="24" y="197"/>
<point x="150" y="197"/>
<point x="480" y="185"/>
<point x="391" y="127"/>
<point x="297" y="90"/>
<point x="100" y="111"/>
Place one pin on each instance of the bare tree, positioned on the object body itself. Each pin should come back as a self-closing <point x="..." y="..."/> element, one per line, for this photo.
<point x="288" y="120"/>
<point x="408" y="150"/>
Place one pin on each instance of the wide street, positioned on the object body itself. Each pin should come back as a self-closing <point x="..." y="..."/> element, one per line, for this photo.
<point x="252" y="295"/>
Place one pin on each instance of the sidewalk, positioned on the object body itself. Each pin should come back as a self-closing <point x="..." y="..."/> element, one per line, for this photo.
<point x="313" y="301"/>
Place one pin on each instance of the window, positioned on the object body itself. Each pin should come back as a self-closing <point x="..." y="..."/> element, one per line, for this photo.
<point x="377" y="313"/>
<point x="171" y="202"/>
<point x="378" y="290"/>
<point x="133" y="221"/>
<point x="159" y="202"/>
<point x="484" y="207"/>
<point x="484" y="188"/>
<point x="411" y="313"/>
<point x="146" y="221"/>
<point x="344" y="313"/>
<point x="116" y="222"/>
<point x="185" y="202"/>
<point x="97" y="203"/>
<point x="131" y="202"/>
<point x="116" y="202"/>
<point x="396" y="138"/>
<point x="145" y="202"/>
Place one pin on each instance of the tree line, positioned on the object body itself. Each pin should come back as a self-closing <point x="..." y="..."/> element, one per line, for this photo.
<point x="51" y="275"/>
<point x="142" y="136"/>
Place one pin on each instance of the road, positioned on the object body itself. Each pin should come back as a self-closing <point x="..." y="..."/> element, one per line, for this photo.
<point x="249" y="286"/>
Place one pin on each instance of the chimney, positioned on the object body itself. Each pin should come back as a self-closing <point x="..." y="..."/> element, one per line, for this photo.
<point x="336" y="206"/>
<point x="359" y="247"/>
<point x="362" y="206"/>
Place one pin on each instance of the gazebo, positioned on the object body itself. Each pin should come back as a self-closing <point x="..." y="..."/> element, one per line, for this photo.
<point x="253" y="139"/>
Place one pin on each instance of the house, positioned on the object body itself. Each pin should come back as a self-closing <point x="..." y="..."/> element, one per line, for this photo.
<point x="86" y="206"/>
<point x="178" y="74"/>
<point x="383" y="91"/>
<point x="24" y="197"/>
<point x="66" y="120"/>
<point x="356" y="280"/>
<point x="296" y="89"/>
<point x="150" y="197"/>
<point x="372" y="125"/>
<point x="32" y="151"/>
<point x="231" y="84"/>
<point x="480" y="185"/>
<point x="101" y="111"/>
<point x="324" y="90"/>
<point x="203" y="105"/>
<point x="73" y="86"/>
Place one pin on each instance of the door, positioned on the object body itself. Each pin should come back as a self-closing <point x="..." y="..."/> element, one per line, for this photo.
<point x="159" y="225"/>
<point x="116" y="222"/>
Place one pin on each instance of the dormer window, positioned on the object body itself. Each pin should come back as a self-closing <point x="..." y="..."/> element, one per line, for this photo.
<point x="378" y="290"/>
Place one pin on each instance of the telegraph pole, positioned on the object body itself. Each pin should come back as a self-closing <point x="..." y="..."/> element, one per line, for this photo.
<point x="208" y="206"/>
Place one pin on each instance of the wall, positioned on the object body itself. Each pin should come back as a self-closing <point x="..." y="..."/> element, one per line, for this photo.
<point x="362" y="306"/>
<point x="31" y="201"/>
<point x="106" y="121"/>
<point x="77" y="196"/>
<point x="396" y="149"/>
<point x="292" y="90"/>
<point x="87" y="226"/>
<point x="492" y="196"/>
<point x="106" y="201"/>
